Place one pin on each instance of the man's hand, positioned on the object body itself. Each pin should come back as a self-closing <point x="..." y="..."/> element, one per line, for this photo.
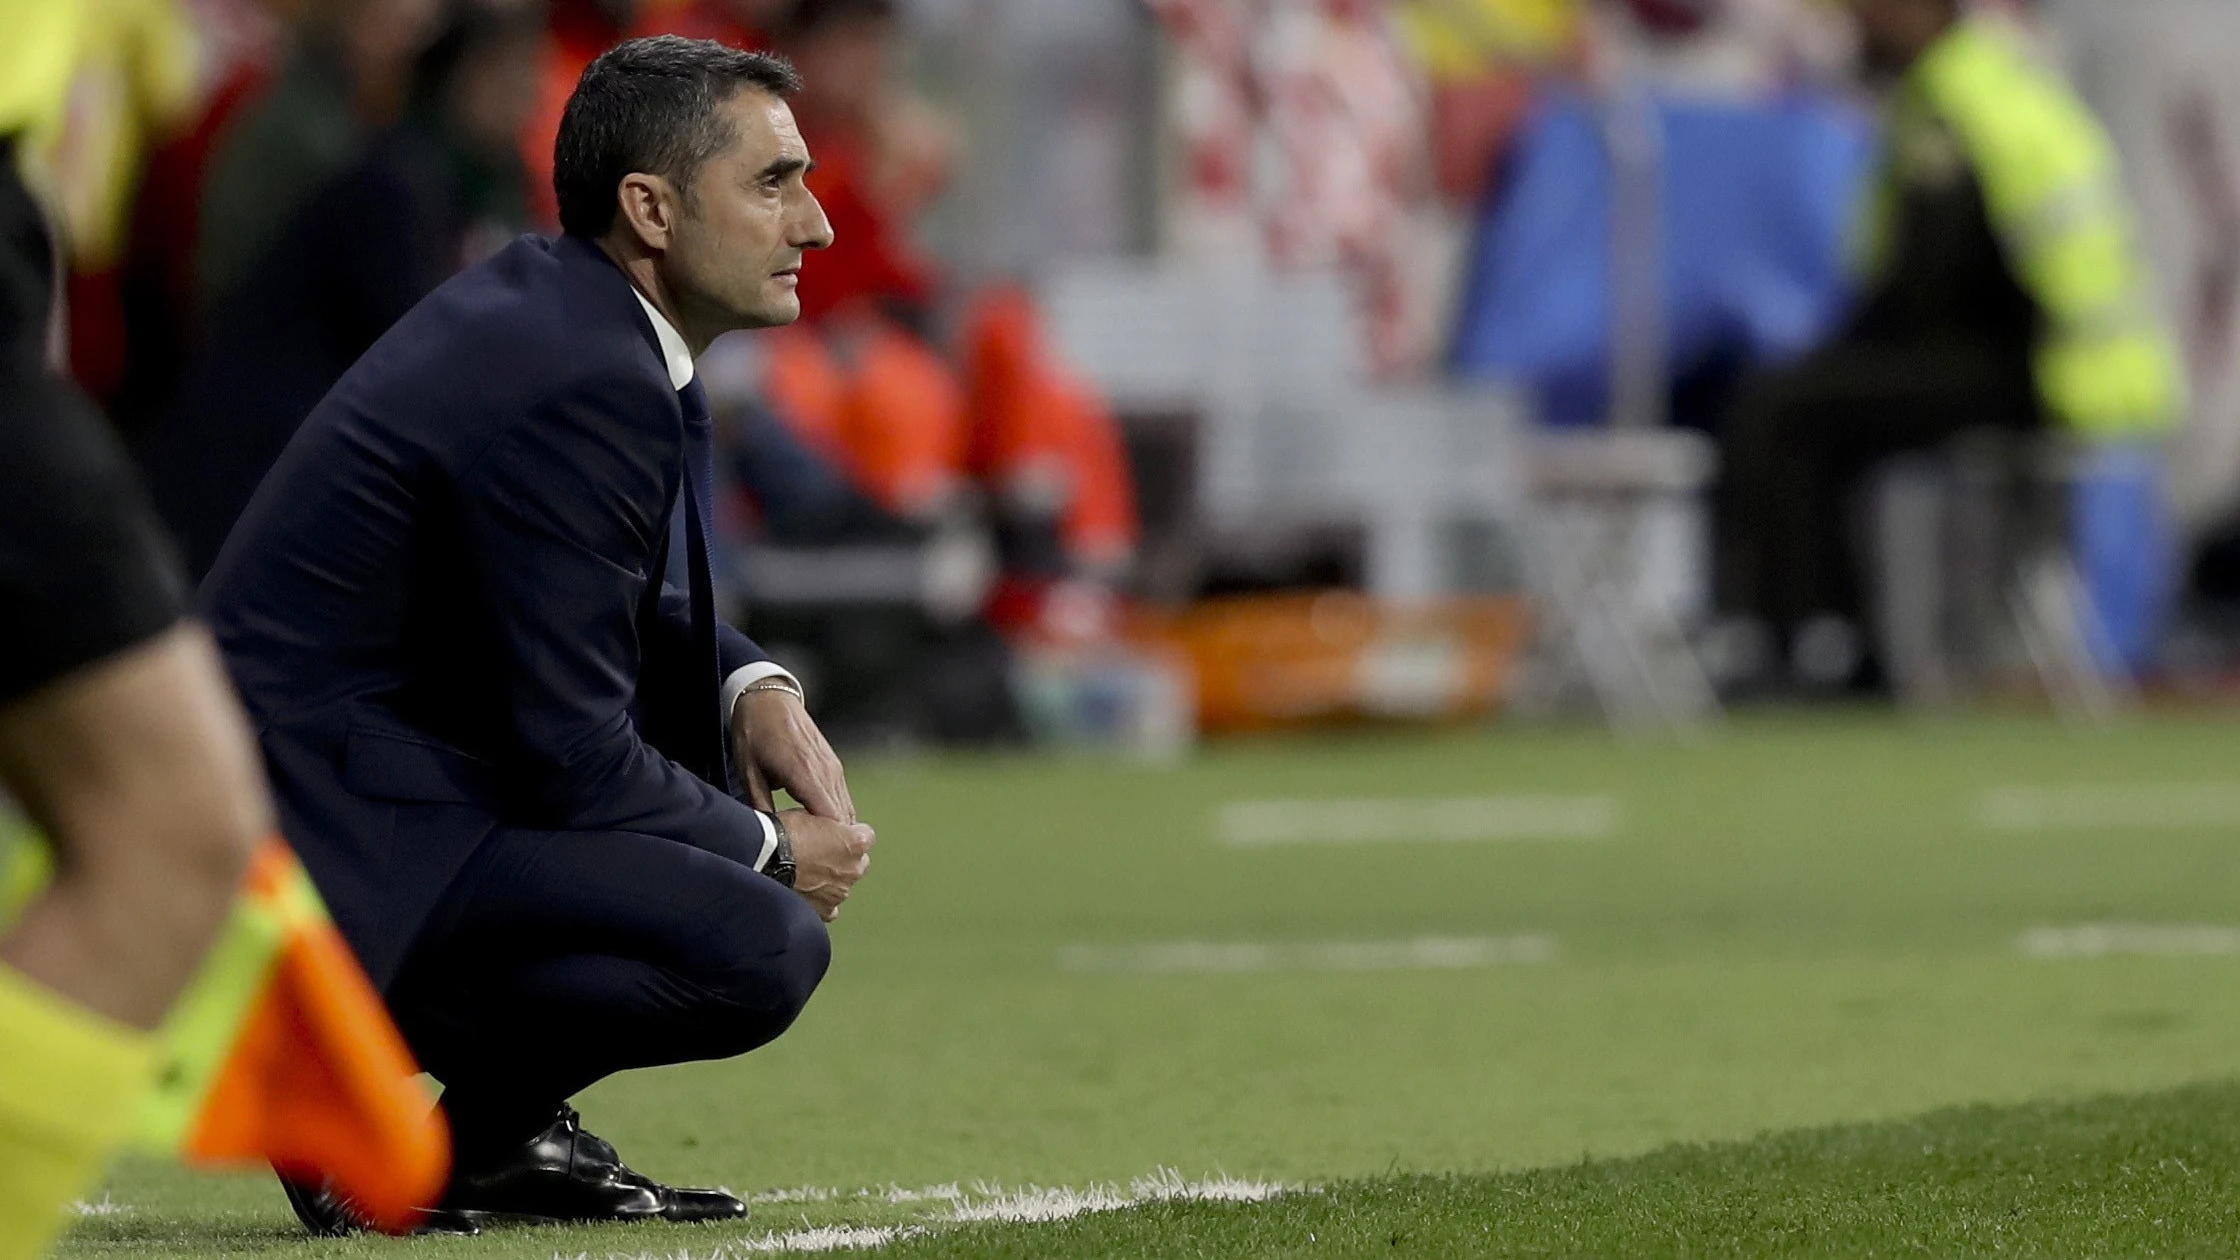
<point x="828" y="858"/>
<point x="777" y="745"/>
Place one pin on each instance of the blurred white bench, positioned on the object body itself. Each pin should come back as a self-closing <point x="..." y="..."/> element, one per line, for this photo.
<point x="1292" y="431"/>
<point x="1600" y="499"/>
<point x="1974" y="578"/>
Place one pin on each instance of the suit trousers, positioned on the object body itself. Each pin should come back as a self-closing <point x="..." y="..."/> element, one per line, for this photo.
<point x="555" y="959"/>
<point x="1801" y="441"/>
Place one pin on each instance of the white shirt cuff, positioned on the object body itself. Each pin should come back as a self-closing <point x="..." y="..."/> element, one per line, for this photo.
<point x="769" y="840"/>
<point x="746" y="676"/>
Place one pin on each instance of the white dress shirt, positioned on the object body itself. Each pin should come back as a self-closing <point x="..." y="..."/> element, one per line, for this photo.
<point x="678" y="356"/>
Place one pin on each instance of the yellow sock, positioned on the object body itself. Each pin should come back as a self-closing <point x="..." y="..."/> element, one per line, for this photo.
<point x="70" y="1081"/>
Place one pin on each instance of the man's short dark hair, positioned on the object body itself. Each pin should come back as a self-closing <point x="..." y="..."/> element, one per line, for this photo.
<point x="650" y="105"/>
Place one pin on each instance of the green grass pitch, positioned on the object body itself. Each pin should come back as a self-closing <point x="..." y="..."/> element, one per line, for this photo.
<point x="1791" y="994"/>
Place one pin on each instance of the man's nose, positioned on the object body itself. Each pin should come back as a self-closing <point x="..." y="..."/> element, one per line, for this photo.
<point x="811" y="229"/>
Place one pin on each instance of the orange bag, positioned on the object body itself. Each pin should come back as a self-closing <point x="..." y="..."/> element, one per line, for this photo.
<point x="1269" y="661"/>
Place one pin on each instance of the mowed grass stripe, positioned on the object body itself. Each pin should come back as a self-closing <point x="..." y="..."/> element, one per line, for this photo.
<point x="2111" y="807"/>
<point x="1423" y="953"/>
<point x="2149" y="940"/>
<point x="2125" y="1176"/>
<point x="1512" y="818"/>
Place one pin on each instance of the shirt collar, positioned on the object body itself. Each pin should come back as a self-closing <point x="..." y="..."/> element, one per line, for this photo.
<point x="674" y="353"/>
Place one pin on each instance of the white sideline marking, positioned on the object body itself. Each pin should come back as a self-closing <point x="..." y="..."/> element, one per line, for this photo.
<point x="1426" y="953"/>
<point x="2100" y="940"/>
<point x="950" y="1193"/>
<point x="828" y="1238"/>
<point x="2203" y="806"/>
<point x="984" y="1202"/>
<point x="1401" y="820"/>
<point x="107" y="1207"/>
<point x="1040" y="1204"/>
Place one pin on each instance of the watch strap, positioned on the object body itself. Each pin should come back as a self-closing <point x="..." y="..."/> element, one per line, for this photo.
<point x="780" y="866"/>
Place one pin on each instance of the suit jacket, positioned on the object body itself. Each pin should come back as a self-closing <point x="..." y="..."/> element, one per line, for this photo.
<point x="443" y="607"/>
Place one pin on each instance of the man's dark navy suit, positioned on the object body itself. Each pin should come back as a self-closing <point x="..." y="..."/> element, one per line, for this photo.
<point x="492" y="729"/>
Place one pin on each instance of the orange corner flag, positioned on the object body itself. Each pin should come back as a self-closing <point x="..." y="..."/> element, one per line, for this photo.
<point x="282" y="1052"/>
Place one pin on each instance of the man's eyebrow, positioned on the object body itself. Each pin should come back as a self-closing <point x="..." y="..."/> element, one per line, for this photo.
<point x="786" y="166"/>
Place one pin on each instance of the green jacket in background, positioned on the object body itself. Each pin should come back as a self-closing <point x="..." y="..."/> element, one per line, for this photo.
<point x="2106" y="364"/>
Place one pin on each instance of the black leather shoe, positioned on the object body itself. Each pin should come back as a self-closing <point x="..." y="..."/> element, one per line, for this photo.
<point x="678" y="1203"/>
<point x="329" y="1215"/>
<point x="566" y="1174"/>
<point x="686" y="1203"/>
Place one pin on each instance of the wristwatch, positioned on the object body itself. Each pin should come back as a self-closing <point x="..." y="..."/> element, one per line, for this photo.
<point x="780" y="865"/>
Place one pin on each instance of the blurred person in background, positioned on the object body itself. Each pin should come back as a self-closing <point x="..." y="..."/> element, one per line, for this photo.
<point x="862" y="378"/>
<point x="119" y="736"/>
<point x="862" y="386"/>
<point x="133" y="90"/>
<point x="1479" y="59"/>
<point x="918" y="438"/>
<point x="580" y="30"/>
<point x="134" y="373"/>
<point x="882" y="156"/>
<point x="346" y="79"/>
<point x="441" y="190"/>
<point x="743" y="24"/>
<point x="2005" y="289"/>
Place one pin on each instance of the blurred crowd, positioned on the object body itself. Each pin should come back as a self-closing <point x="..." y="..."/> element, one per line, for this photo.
<point x="253" y="190"/>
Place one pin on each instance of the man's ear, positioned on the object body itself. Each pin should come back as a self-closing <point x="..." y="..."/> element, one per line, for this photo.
<point x="649" y="205"/>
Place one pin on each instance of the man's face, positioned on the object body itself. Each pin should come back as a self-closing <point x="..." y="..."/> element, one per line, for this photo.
<point x="734" y="257"/>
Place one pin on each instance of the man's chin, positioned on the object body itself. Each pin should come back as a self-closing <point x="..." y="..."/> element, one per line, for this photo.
<point x="776" y="312"/>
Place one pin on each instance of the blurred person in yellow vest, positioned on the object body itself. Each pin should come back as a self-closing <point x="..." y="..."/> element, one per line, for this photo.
<point x="167" y="974"/>
<point x="132" y="80"/>
<point x="40" y="39"/>
<point x="1479" y="59"/>
<point x="133" y="87"/>
<point x="2004" y="288"/>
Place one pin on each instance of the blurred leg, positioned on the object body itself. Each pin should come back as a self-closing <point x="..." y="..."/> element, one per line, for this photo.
<point x="1803" y="440"/>
<point x="119" y="737"/>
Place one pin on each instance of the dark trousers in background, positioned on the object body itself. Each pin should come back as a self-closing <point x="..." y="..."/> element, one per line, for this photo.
<point x="558" y="958"/>
<point x="1801" y="442"/>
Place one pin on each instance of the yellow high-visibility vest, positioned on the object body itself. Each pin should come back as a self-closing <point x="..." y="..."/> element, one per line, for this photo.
<point x="39" y="41"/>
<point x="2106" y="363"/>
<point x="86" y="88"/>
<point x="131" y="85"/>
